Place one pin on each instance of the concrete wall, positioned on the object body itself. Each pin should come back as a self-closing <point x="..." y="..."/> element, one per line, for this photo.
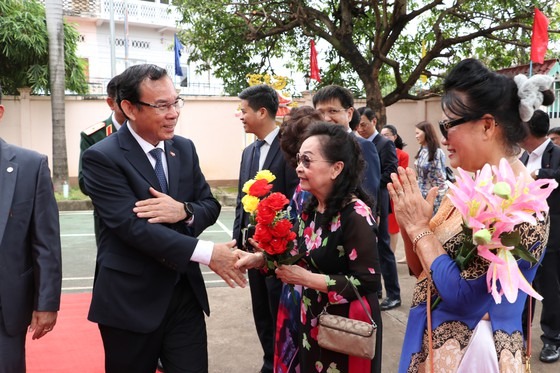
<point x="211" y="122"/>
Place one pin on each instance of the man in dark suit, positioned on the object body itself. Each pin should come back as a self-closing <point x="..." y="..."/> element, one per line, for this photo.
<point x="542" y="159"/>
<point x="30" y="253"/>
<point x="337" y="106"/>
<point x="389" y="163"/>
<point x="149" y="297"/>
<point x="259" y="105"/>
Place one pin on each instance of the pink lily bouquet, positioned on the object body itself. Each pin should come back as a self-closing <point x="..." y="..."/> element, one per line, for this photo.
<point x="492" y="205"/>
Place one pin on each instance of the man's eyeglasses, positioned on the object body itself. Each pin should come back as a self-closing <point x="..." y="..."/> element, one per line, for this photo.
<point x="164" y="108"/>
<point x="331" y="112"/>
<point x="445" y="125"/>
<point x="306" y="161"/>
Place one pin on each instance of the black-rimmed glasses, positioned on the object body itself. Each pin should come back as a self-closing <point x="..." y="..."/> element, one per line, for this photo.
<point x="306" y="161"/>
<point x="164" y="108"/>
<point x="445" y="125"/>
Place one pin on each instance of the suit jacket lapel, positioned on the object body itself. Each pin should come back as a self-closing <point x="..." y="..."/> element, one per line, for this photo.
<point x="545" y="162"/>
<point x="274" y="149"/>
<point x="173" y="168"/>
<point x="524" y="158"/>
<point x="136" y="156"/>
<point x="8" y="177"/>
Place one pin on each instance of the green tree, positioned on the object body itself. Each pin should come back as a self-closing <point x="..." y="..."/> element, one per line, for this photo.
<point x="373" y="47"/>
<point x="24" y="50"/>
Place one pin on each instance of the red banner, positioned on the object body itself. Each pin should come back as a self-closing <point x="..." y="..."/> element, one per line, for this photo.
<point x="314" y="66"/>
<point x="539" y="39"/>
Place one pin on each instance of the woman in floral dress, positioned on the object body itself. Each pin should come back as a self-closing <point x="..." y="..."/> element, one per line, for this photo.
<point x="337" y="232"/>
<point x="430" y="162"/>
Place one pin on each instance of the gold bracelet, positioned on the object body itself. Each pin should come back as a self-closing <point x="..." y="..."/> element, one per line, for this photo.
<point x="418" y="238"/>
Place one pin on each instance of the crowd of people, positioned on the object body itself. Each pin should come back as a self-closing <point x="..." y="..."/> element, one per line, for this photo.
<point x="352" y="194"/>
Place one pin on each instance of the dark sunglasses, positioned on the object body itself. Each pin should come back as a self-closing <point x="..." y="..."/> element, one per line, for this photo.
<point x="306" y="161"/>
<point x="445" y="125"/>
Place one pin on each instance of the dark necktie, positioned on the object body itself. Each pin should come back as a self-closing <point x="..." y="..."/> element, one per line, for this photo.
<point x="255" y="159"/>
<point x="156" y="153"/>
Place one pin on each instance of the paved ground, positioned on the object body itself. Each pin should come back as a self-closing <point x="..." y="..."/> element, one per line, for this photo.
<point x="233" y="344"/>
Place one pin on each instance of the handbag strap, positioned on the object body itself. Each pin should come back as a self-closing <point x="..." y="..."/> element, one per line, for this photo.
<point x="528" y="349"/>
<point x="361" y="302"/>
<point x="429" y="326"/>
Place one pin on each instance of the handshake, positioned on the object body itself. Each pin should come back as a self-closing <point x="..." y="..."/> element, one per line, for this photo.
<point x="231" y="264"/>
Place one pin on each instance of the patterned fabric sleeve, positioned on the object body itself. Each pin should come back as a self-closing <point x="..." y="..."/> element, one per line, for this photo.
<point x="359" y="249"/>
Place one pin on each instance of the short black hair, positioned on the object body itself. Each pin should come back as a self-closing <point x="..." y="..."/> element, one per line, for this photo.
<point x="0" y="93"/>
<point x="334" y="92"/>
<point x="554" y="130"/>
<point x="112" y="87"/>
<point x="261" y="96"/>
<point x="128" y="85"/>
<point x="539" y="124"/>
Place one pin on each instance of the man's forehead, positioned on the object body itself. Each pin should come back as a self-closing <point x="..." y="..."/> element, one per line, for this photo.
<point x="334" y="102"/>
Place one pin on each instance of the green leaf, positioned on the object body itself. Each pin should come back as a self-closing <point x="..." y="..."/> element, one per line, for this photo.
<point x="292" y="259"/>
<point x="510" y="238"/>
<point x="521" y="252"/>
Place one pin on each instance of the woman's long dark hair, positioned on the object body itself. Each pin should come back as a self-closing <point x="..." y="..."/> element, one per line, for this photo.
<point x="337" y="145"/>
<point x="399" y="143"/>
<point x="430" y="138"/>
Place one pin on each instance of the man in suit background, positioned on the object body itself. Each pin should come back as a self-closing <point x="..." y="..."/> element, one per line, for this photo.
<point x="259" y="105"/>
<point x="389" y="163"/>
<point x="101" y="130"/>
<point x="542" y="159"/>
<point x="149" y="297"/>
<point x="336" y="104"/>
<point x="554" y="135"/>
<point x="30" y="253"/>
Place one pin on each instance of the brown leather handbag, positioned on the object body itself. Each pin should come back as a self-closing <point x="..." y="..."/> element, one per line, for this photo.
<point x="348" y="336"/>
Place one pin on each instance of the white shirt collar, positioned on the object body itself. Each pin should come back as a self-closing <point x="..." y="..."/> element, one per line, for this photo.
<point x="146" y="146"/>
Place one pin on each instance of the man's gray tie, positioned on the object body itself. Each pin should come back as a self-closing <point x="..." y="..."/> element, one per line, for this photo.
<point x="156" y="153"/>
<point x="255" y="159"/>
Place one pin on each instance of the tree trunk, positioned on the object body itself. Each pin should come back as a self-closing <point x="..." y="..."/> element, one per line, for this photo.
<point x="374" y="101"/>
<point x="56" y="78"/>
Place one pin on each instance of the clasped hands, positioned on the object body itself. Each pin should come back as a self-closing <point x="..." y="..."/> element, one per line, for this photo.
<point x="412" y="211"/>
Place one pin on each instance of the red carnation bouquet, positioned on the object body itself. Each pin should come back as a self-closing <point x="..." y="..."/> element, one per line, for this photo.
<point x="273" y="230"/>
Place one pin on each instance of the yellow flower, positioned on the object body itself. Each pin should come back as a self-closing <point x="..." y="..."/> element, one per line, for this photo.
<point x="250" y="203"/>
<point x="263" y="174"/>
<point x="247" y="185"/>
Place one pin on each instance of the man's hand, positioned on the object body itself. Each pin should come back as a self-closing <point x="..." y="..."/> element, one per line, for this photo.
<point x="223" y="261"/>
<point x="42" y="322"/>
<point x="160" y="209"/>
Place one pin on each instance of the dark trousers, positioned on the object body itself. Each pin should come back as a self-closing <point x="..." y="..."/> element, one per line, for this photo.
<point x="12" y="350"/>
<point x="180" y="341"/>
<point x="386" y="255"/>
<point x="265" y="298"/>
<point x="547" y="284"/>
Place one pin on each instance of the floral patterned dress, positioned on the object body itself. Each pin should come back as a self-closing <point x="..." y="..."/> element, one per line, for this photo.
<point x="342" y="249"/>
<point x="431" y="174"/>
<point x="465" y="300"/>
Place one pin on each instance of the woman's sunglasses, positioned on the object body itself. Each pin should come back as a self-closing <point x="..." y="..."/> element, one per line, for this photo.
<point x="445" y="125"/>
<point x="306" y="161"/>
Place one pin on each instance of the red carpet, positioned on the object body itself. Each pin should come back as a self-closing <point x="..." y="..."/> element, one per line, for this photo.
<point x="73" y="346"/>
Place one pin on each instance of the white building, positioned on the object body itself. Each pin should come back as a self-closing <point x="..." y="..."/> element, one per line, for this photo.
<point x="143" y="33"/>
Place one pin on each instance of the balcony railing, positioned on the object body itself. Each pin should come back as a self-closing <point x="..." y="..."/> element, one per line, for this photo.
<point x="139" y="12"/>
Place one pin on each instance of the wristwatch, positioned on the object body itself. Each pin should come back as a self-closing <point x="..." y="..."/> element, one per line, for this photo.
<point x="189" y="210"/>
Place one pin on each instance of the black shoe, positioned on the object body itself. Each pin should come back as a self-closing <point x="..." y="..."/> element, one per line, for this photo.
<point x="379" y="295"/>
<point x="389" y="304"/>
<point x="549" y="353"/>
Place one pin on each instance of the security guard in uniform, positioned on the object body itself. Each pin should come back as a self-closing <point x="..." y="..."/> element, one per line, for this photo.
<point x="100" y="130"/>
